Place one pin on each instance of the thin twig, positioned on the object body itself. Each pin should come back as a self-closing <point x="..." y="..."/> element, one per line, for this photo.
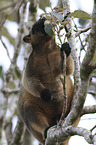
<point x="92" y="93"/>
<point x="82" y="31"/>
<point x="10" y="91"/>
<point x="93" y="128"/>
<point x="6" y="49"/>
<point x="13" y="10"/>
<point x="64" y="89"/>
<point x="82" y="46"/>
<point x="88" y="110"/>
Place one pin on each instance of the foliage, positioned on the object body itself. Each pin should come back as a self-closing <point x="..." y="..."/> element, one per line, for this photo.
<point x="57" y="18"/>
<point x="80" y="14"/>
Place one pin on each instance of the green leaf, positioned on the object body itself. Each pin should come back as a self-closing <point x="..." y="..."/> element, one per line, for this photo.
<point x="58" y="16"/>
<point x="61" y="9"/>
<point x="48" y="29"/>
<point x="80" y="14"/>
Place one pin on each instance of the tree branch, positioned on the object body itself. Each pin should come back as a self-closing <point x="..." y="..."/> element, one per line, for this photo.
<point x="19" y="39"/>
<point x="94" y="140"/>
<point x="91" y="48"/>
<point x="82" y="31"/>
<point x="18" y="133"/>
<point x="64" y="90"/>
<point x="8" y="6"/>
<point x="81" y="87"/>
<point x="81" y="93"/>
<point x="88" y="110"/>
<point x="77" y="82"/>
<point x="9" y="13"/>
<point x="72" y="130"/>
<point x="92" y="93"/>
<point x="5" y="48"/>
<point x="10" y="91"/>
<point x="62" y="134"/>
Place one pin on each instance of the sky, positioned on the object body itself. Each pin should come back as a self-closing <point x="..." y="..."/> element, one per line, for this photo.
<point x="86" y="5"/>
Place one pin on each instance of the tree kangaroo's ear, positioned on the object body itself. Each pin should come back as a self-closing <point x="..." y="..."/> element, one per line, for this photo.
<point x="27" y="38"/>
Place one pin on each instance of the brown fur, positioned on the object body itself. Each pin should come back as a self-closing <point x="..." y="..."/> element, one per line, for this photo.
<point x="43" y="70"/>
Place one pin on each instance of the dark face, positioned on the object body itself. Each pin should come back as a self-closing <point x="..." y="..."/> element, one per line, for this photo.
<point x="39" y="26"/>
<point x="37" y="34"/>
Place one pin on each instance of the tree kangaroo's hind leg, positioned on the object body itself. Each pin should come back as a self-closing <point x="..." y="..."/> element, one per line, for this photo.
<point x="37" y="122"/>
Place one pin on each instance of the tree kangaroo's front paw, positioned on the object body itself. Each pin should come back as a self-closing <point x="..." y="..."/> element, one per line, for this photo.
<point x="46" y="95"/>
<point x="65" y="47"/>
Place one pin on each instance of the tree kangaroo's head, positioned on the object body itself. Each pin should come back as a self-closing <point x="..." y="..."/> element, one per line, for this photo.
<point x="37" y="35"/>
